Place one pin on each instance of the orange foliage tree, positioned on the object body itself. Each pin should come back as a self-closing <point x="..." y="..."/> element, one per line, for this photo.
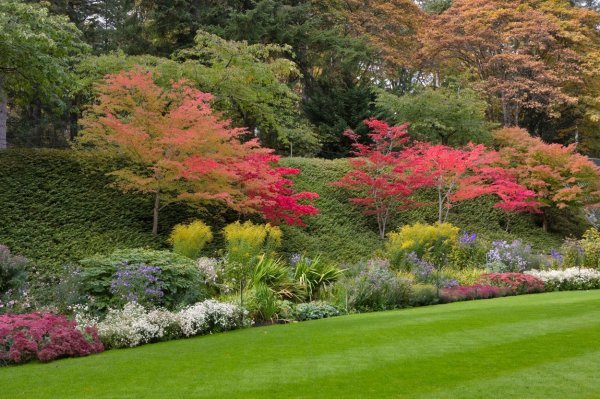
<point x="181" y="150"/>
<point x="526" y="55"/>
<point x="560" y="177"/>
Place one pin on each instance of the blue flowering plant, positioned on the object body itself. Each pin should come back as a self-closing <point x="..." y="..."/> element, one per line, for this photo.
<point x="138" y="283"/>
<point x="469" y="252"/>
<point x="516" y="257"/>
<point x="425" y="272"/>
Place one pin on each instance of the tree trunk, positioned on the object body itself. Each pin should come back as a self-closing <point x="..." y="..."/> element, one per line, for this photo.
<point x="505" y="116"/>
<point x="156" y="210"/>
<point x="445" y="139"/>
<point x="440" y="205"/>
<point x="545" y="221"/>
<point x="3" y="115"/>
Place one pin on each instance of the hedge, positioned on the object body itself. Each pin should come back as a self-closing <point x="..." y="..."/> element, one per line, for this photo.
<point x="56" y="207"/>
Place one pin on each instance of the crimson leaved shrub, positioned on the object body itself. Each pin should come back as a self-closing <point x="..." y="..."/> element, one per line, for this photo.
<point x="45" y="337"/>
<point x="517" y="283"/>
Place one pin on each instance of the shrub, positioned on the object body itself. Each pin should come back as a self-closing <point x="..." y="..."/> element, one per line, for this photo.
<point x="179" y="278"/>
<point x="134" y="325"/>
<point x="518" y="283"/>
<point x="470" y="292"/>
<point x="263" y="304"/>
<point x="423" y="295"/>
<point x="573" y="278"/>
<point x="137" y="283"/>
<point x="13" y="281"/>
<point x="314" y="311"/>
<point x="584" y="252"/>
<point x="464" y="276"/>
<point x="44" y="336"/>
<point x="189" y="239"/>
<point x="275" y="275"/>
<point x="245" y="242"/>
<point x="514" y="257"/>
<point x="314" y="276"/>
<point x="373" y="286"/>
<point x="13" y="270"/>
<point x="431" y="242"/>
<point x="469" y="252"/>
<point x="271" y="282"/>
<point x="426" y="272"/>
<point x="208" y="317"/>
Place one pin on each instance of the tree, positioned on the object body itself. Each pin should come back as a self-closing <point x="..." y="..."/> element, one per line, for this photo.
<point x="390" y="27"/>
<point x="450" y="116"/>
<point x="37" y="50"/>
<point x="250" y="82"/>
<point x="334" y="61"/>
<point x="463" y="174"/>
<point x="522" y="54"/>
<point x="434" y="6"/>
<point x="180" y="150"/>
<point x="560" y="177"/>
<point x="378" y="181"/>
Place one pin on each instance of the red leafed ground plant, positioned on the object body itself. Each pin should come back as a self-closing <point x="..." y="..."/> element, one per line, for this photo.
<point x="518" y="283"/>
<point x="45" y="337"/>
<point x="470" y="292"/>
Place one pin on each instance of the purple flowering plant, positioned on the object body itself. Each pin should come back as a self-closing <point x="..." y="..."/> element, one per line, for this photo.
<point x="137" y="283"/>
<point x="467" y="238"/>
<point x="509" y="257"/>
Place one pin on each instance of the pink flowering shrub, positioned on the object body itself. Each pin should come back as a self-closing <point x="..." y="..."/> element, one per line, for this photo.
<point x="518" y="283"/>
<point x="469" y="292"/>
<point x="44" y="336"/>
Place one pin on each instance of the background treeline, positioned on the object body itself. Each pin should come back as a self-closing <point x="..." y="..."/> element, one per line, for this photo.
<point x="299" y="73"/>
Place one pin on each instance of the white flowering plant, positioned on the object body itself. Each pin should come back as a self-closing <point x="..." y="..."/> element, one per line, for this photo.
<point x="573" y="278"/>
<point x="134" y="325"/>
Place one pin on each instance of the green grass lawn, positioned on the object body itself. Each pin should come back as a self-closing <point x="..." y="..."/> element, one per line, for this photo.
<point x="534" y="346"/>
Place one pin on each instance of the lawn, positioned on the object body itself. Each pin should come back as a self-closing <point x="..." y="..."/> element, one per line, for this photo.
<point x="533" y="346"/>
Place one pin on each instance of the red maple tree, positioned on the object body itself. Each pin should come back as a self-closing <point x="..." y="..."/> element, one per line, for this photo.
<point x="385" y="174"/>
<point x="182" y="150"/>
<point x="460" y="174"/>
<point x="377" y="180"/>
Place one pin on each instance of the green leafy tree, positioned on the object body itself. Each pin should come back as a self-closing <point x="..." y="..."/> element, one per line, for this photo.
<point x="449" y="116"/>
<point x="37" y="50"/>
<point x="254" y="86"/>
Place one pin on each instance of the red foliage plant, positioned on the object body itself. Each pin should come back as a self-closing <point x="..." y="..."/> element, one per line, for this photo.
<point x="44" y="336"/>
<point x="518" y="283"/>
<point x="471" y="292"/>
<point x="460" y="174"/>
<point x="182" y="150"/>
<point x="378" y="180"/>
<point x="385" y="174"/>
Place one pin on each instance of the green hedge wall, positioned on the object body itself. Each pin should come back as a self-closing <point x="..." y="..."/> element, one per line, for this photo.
<point x="55" y="207"/>
<point x="341" y="232"/>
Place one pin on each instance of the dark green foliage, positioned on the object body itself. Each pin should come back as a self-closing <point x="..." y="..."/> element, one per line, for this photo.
<point x="180" y="278"/>
<point x="56" y="209"/>
<point x="341" y="233"/>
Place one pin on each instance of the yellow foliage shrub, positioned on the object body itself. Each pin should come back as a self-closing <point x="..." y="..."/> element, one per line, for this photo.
<point x="189" y="239"/>
<point x="426" y="240"/>
<point x="246" y="241"/>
